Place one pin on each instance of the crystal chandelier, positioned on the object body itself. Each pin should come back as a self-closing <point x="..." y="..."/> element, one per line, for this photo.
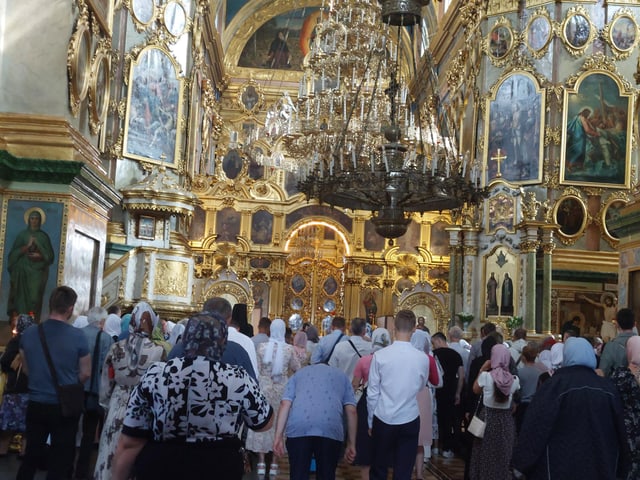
<point x="356" y="138"/>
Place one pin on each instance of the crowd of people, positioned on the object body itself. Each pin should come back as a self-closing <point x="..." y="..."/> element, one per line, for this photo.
<point x="170" y="400"/>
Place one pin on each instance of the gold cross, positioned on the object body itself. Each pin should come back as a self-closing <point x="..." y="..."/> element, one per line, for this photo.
<point x="499" y="158"/>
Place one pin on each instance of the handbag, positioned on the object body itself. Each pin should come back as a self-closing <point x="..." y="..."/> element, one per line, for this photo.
<point x="477" y="425"/>
<point x="91" y="399"/>
<point x="71" y="397"/>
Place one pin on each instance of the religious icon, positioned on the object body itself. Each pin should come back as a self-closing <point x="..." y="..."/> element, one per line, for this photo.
<point x="492" y="298"/>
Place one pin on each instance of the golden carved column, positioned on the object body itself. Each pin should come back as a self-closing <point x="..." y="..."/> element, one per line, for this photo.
<point x="276" y="295"/>
<point x="455" y="270"/>
<point x="387" y="297"/>
<point x="470" y="276"/>
<point x="548" y="246"/>
<point x="351" y="298"/>
<point x="528" y="248"/>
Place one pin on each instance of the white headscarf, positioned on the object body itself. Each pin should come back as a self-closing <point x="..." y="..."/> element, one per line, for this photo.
<point x="176" y="333"/>
<point x="556" y="355"/>
<point x="112" y="325"/>
<point x="380" y="338"/>
<point x="275" y="344"/>
<point x="137" y="312"/>
<point x="81" y="321"/>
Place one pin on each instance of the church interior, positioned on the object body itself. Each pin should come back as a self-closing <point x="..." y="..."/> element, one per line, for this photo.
<point x="470" y="160"/>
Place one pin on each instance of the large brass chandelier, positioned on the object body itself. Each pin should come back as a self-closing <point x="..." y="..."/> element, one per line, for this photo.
<point x="357" y="138"/>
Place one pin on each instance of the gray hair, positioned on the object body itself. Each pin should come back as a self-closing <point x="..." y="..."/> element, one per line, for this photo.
<point x="96" y="315"/>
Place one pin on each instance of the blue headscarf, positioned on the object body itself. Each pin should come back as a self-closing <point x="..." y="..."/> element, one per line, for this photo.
<point x="578" y="351"/>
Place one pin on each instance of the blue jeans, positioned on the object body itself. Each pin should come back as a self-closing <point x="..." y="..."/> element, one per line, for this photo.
<point x="43" y="420"/>
<point x="394" y="446"/>
<point x="326" y="451"/>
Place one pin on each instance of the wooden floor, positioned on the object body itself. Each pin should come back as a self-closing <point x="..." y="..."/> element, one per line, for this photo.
<point x="439" y="468"/>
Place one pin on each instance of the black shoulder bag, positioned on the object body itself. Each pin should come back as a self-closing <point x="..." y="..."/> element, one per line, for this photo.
<point x="71" y="397"/>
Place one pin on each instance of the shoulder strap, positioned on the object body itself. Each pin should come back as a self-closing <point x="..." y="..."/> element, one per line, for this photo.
<point x="47" y="356"/>
<point x="354" y="348"/>
<point x="333" y="348"/>
<point x="94" y="360"/>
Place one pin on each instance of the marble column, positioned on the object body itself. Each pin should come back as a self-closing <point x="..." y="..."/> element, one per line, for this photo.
<point x="455" y="259"/>
<point x="528" y="248"/>
<point x="470" y="276"/>
<point x="548" y="245"/>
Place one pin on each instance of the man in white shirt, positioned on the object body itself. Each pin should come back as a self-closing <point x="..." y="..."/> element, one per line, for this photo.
<point x="223" y="308"/>
<point x="346" y="354"/>
<point x="455" y="336"/>
<point x="263" y="332"/>
<point x="519" y="342"/>
<point x="397" y="374"/>
<point x="324" y="350"/>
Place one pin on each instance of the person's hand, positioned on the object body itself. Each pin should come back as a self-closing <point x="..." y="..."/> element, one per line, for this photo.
<point x="350" y="453"/>
<point x="486" y="366"/>
<point x="278" y="446"/>
<point x="457" y="402"/>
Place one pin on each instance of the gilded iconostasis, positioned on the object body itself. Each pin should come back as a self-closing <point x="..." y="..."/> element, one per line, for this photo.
<point x="185" y="104"/>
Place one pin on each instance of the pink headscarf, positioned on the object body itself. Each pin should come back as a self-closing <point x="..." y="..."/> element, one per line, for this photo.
<point x="633" y="350"/>
<point x="500" y="358"/>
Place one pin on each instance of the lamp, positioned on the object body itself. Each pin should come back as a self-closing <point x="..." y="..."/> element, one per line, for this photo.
<point x="356" y="138"/>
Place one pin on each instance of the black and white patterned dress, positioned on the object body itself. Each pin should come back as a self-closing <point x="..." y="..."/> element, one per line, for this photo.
<point x="195" y="400"/>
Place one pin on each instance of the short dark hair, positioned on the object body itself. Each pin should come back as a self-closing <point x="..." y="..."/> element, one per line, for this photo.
<point x="487" y="328"/>
<point x="358" y="326"/>
<point x="530" y="351"/>
<point x="520" y="333"/>
<point x="339" y="322"/>
<point x="113" y="309"/>
<point x="439" y="336"/>
<point x="497" y="335"/>
<point x="264" y="322"/>
<point x="218" y="305"/>
<point x="625" y="318"/>
<point x="61" y="299"/>
<point x="405" y="321"/>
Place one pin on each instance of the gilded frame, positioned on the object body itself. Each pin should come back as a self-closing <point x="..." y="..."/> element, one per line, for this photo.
<point x="621" y="41"/>
<point x="250" y="97"/>
<point x="79" y="63"/>
<point x="177" y="30"/>
<point x="501" y="213"/>
<point x="608" y="212"/>
<point x="499" y="263"/>
<point x="500" y="41"/>
<point x="149" y="104"/>
<point x="99" y="86"/>
<point x="103" y="12"/>
<point x="138" y="8"/>
<point x="539" y="33"/>
<point x="146" y="228"/>
<point x="523" y="122"/>
<point x="570" y="212"/>
<point x="584" y="156"/>
<point x="578" y="31"/>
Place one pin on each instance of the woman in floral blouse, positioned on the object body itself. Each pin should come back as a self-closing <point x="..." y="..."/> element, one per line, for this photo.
<point x="627" y="381"/>
<point x="184" y="416"/>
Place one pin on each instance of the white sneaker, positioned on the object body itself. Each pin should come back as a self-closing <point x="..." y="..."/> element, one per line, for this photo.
<point x="448" y="454"/>
<point x="435" y="451"/>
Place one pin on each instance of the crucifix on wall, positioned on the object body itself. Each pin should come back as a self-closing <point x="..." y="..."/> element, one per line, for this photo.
<point x="499" y="157"/>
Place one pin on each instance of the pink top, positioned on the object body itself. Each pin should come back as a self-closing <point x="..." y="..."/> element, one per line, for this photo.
<point x="362" y="368"/>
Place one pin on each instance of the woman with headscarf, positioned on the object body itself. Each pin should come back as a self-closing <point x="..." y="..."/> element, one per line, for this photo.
<point x="380" y="338"/>
<point x="421" y="340"/>
<point x="627" y="381"/>
<point x="112" y="326"/>
<point x="312" y="339"/>
<point x="13" y="409"/>
<point x="176" y="334"/>
<point x="300" y="348"/>
<point x="556" y="356"/>
<point x="277" y="361"/>
<point x="573" y="412"/>
<point x="124" y="326"/>
<point x="125" y="364"/>
<point x="184" y="417"/>
<point x="491" y="455"/>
